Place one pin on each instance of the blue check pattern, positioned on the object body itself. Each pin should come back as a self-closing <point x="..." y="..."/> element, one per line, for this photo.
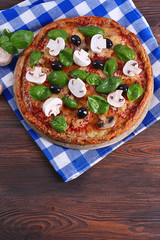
<point x="33" y="15"/>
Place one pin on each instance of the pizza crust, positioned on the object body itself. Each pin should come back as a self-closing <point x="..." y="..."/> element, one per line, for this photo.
<point x="61" y="139"/>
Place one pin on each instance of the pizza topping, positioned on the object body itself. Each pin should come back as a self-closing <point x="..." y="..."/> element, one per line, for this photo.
<point x="58" y="77"/>
<point x="56" y="65"/>
<point x="93" y="79"/>
<point x="66" y="57"/>
<point x="39" y="92"/>
<point x="98" y="64"/>
<point x="36" y="76"/>
<point x="98" y="43"/>
<point x="5" y="57"/>
<point x="97" y="104"/>
<point x="35" y="57"/>
<point x="123" y="87"/>
<point x="52" y="106"/>
<point x="21" y="39"/>
<point x="77" y="87"/>
<point x="124" y="53"/>
<point x="82" y="112"/>
<point x="105" y="122"/>
<point x="71" y="103"/>
<point x="76" y="40"/>
<point x="12" y="41"/>
<point x="109" y="85"/>
<point x="110" y="66"/>
<point x="53" y="34"/>
<point x="55" y="88"/>
<point x="79" y="73"/>
<point x="116" y="99"/>
<point x="81" y="58"/>
<point x="59" y="124"/>
<point x="134" y="92"/>
<point x="55" y="46"/>
<point x="7" y="45"/>
<point x="91" y="30"/>
<point x="131" y="68"/>
<point x="109" y="43"/>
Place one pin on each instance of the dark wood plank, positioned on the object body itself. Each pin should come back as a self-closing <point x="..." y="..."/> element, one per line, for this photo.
<point x="8" y="4"/>
<point x="118" y="199"/>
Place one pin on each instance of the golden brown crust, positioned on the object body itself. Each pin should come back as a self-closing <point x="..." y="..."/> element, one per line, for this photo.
<point x="77" y="139"/>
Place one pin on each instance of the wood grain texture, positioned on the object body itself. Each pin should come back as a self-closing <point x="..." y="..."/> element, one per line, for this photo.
<point x="118" y="199"/>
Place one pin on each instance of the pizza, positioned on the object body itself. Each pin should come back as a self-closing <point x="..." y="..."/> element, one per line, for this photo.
<point x="83" y="81"/>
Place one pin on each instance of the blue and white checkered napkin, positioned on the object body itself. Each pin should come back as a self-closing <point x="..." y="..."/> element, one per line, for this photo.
<point x="33" y="15"/>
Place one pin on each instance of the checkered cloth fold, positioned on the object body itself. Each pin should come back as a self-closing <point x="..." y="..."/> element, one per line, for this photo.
<point x="33" y="15"/>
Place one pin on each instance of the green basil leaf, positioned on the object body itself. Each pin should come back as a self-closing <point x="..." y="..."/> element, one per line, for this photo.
<point x="91" y="31"/>
<point x="69" y="102"/>
<point x="35" y="57"/>
<point x="7" y="32"/>
<point x="110" y="66"/>
<point x="93" y="79"/>
<point x="59" y="124"/>
<point x="58" y="77"/>
<point x="66" y="57"/>
<point x="38" y="92"/>
<point x="97" y="104"/>
<point x="3" y="39"/>
<point x="124" y="53"/>
<point x="53" y="34"/>
<point x="79" y="73"/>
<point x="134" y="92"/>
<point x="22" y="38"/>
<point x="8" y="47"/>
<point x="109" y="85"/>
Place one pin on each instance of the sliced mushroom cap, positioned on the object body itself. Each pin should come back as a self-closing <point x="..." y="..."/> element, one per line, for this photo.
<point x="98" y="43"/>
<point x="77" y="87"/>
<point x="131" y="68"/>
<point x="81" y="58"/>
<point x="52" y="106"/>
<point x="116" y="99"/>
<point x="1" y="88"/>
<point x="106" y="122"/>
<point x="5" y="57"/>
<point x="55" y="46"/>
<point x="36" y="76"/>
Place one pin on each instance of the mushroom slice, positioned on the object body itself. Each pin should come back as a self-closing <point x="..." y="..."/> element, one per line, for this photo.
<point x="1" y="88"/>
<point x="55" y="46"/>
<point x="116" y="99"/>
<point x="98" y="43"/>
<point x="106" y="122"/>
<point x="77" y="87"/>
<point x="81" y="58"/>
<point x="52" y="106"/>
<point x="36" y="76"/>
<point x="5" y="57"/>
<point x="131" y="68"/>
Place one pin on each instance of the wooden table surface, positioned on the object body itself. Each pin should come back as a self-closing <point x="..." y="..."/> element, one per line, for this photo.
<point x="117" y="199"/>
